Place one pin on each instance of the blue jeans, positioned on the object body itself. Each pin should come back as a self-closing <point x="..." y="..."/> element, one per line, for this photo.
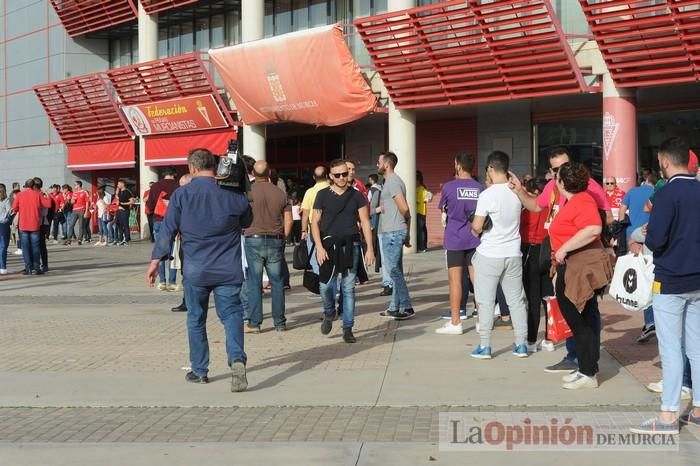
<point x="386" y="278"/>
<point x="228" y="308"/>
<point x="328" y="291"/>
<point x="649" y="317"/>
<point x="4" y="243"/>
<point x="64" y="227"/>
<point x="393" y="256"/>
<point x="678" y="332"/>
<point x="102" y="227"/>
<point x="264" y="253"/>
<point x="571" y="344"/>
<point x="112" y="232"/>
<point x="172" y="273"/>
<point x="31" y="250"/>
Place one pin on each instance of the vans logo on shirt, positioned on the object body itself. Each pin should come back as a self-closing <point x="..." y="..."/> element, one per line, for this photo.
<point x="467" y="193"/>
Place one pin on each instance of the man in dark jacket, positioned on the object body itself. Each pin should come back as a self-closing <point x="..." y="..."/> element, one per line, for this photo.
<point x="673" y="235"/>
<point x="160" y="194"/>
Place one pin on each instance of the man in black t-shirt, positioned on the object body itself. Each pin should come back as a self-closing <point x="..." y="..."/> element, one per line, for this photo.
<point x="125" y="199"/>
<point x="337" y="210"/>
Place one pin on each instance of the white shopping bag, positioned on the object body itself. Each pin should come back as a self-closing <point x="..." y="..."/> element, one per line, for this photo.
<point x="633" y="281"/>
<point x="176" y="262"/>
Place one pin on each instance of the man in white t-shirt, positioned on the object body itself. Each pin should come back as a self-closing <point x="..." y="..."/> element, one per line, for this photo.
<point x="498" y="258"/>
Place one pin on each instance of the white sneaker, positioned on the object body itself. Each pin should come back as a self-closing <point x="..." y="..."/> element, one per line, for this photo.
<point x="547" y="345"/>
<point x="18" y="252"/>
<point x="658" y="387"/>
<point x="532" y="348"/>
<point x="54" y="241"/>
<point x="449" y="329"/>
<point x="3" y="271"/>
<point x="581" y="381"/>
<point x="570" y="377"/>
<point x="97" y="244"/>
<point x="162" y="286"/>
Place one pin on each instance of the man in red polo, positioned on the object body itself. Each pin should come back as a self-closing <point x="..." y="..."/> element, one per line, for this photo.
<point x="28" y="204"/>
<point x="79" y="201"/>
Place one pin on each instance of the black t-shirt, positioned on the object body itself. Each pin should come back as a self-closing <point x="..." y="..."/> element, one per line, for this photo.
<point x="124" y="197"/>
<point x="344" y="219"/>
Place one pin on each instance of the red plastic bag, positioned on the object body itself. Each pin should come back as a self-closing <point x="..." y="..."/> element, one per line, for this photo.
<point x="557" y="328"/>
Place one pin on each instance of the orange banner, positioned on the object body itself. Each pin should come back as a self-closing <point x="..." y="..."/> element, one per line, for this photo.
<point x="306" y="77"/>
<point x="177" y="115"/>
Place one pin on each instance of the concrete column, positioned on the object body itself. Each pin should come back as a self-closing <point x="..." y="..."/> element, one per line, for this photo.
<point x="252" y="28"/>
<point x="402" y="141"/>
<point x="148" y="50"/>
<point x="619" y="134"/>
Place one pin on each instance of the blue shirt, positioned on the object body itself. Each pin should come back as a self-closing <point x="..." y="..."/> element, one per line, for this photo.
<point x="673" y="235"/>
<point x="209" y="220"/>
<point x="635" y="200"/>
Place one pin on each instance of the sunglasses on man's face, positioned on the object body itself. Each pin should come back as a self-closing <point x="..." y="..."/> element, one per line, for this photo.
<point x="555" y="170"/>
<point x="609" y="183"/>
<point x="339" y="175"/>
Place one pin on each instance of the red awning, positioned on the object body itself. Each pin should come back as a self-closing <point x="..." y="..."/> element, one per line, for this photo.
<point x="102" y="156"/>
<point x="83" y="110"/>
<point x="647" y="43"/>
<point x="173" y="149"/>
<point x="155" y="6"/>
<point x="306" y="77"/>
<point x="81" y="16"/>
<point x="463" y="52"/>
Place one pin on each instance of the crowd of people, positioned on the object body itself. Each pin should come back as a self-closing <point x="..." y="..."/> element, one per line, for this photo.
<point x="513" y="241"/>
<point x="32" y="217"/>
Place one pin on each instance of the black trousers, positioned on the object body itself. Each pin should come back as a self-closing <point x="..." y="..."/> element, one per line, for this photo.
<point x="150" y="227"/>
<point x="42" y="245"/>
<point x="582" y="325"/>
<point x="422" y="240"/>
<point x="123" y="224"/>
<point x="537" y="286"/>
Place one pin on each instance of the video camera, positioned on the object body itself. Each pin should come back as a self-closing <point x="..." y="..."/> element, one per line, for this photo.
<point x="232" y="173"/>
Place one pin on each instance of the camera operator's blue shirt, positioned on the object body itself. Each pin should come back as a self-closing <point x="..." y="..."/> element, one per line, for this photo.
<point x="209" y="219"/>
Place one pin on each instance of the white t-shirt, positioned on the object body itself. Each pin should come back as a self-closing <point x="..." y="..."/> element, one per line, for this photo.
<point x="503" y="207"/>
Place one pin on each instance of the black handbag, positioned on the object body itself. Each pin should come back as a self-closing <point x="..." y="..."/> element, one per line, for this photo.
<point x="311" y="282"/>
<point x="300" y="256"/>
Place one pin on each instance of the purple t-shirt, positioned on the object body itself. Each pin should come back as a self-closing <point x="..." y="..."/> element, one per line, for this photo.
<point x="459" y="199"/>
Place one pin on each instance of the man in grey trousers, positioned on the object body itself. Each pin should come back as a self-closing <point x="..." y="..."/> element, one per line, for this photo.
<point x="498" y="258"/>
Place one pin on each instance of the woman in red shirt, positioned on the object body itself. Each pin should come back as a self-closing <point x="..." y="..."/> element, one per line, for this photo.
<point x="577" y="227"/>
<point x="536" y="283"/>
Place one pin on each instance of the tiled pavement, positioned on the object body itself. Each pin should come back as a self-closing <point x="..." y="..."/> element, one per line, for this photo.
<point x="92" y="319"/>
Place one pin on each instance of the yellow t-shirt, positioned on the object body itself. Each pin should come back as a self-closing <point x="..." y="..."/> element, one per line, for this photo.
<point x="421" y="200"/>
<point x="310" y="197"/>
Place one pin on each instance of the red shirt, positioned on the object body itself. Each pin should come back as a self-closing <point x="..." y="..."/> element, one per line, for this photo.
<point x="551" y="196"/>
<point x="28" y="204"/>
<point x="80" y="200"/>
<point x="581" y="211"/>
<point x="532" y="226"/>
<point x="615" y="200"/>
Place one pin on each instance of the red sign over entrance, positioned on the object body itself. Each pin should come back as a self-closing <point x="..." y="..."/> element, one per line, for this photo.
<point x="194" y="113"/>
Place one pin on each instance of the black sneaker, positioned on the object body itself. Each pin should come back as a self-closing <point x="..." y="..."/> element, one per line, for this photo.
<point x="387" y="291"/>
<point x="503" y="324"/>
<point x="194" y="378"/>
<point x="405" y="314"/>
<point x="239" y="381"/>
<point x="281" y="328"/>
<point x="389" y="314"/>
<point x="348" y="337"/>
<point x="647" y="332"/>
<point x="326" y="325"/>
<point x="562" y="366"/>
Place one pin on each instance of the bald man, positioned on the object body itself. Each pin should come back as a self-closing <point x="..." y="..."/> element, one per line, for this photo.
<point x="264" y="248"/>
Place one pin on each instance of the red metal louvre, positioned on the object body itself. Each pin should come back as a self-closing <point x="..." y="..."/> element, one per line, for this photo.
<point x="155" y="6"/>
<point x="82" y="110"/>
<point x="169" y="78"/>
<point x="102" y="155"/>
<point x="647" y="42"/>
<point x="173" y="149"/>
<point x="460" y="52"/>
<point x="83" y="16"/>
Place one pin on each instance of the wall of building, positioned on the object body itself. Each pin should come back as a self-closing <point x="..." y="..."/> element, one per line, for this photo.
<point x="364" y="140"/>
<point x="505" y="126"/>
<point x="36" y="50"/>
